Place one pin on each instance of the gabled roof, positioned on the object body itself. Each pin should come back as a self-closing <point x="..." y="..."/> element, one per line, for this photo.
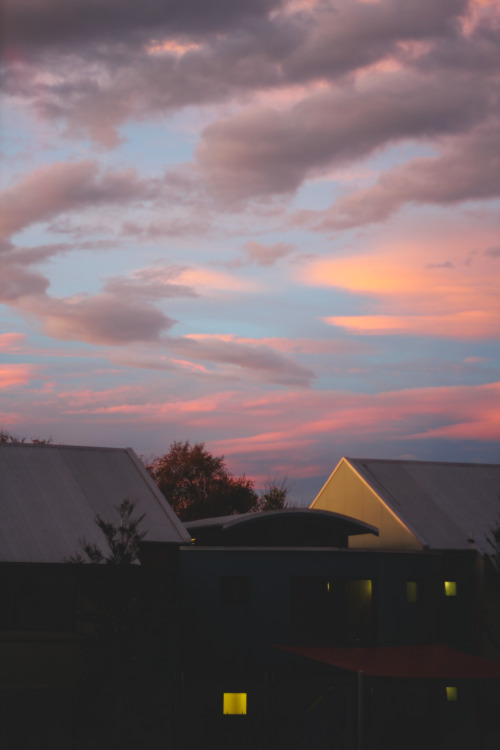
<point x="286" y="527"/>
<point x="445" y="505"/>
<point x="51" y="494"/>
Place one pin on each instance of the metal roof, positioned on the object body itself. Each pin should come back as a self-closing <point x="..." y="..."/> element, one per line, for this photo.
<point x="280" y="527"/>
<point x="445" y="505"/>
<point x="350" y="525"/>
<point x="51" y="494"/>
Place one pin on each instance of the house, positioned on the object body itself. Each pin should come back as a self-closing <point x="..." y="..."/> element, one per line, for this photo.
<point x="293" y="636"/>
<point x="417" y="504"/>
<point x="52" y="663"/>
<point x="343" y="627"/>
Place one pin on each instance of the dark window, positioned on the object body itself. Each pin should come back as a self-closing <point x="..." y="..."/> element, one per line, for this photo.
<point x="235" y="590"/>
<point x="332" y="611"/>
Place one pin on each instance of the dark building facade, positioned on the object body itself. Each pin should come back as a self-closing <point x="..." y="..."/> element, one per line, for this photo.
<point x="274" y="630"/>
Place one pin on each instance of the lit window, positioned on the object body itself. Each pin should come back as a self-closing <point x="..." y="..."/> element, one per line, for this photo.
<point x="450" y="588"/>
<point x="235" y="703"/>
<point x="451" y="693"/>
<point x="411" y="592"/>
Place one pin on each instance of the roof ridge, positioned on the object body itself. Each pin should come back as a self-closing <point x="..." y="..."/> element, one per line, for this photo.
<point x="419" y="461"/>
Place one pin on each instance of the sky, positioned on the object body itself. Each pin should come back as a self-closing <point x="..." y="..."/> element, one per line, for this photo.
<point x="270" y="226"/>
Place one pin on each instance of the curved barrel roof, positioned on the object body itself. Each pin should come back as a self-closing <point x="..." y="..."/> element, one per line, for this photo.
<point x="290" y="527"/>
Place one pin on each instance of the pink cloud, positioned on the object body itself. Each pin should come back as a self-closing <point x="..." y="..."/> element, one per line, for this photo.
<point x="16" y="375"/>
<point x="11" y="342"/>
<point x="429" y="286"/>
<point x="462" y="325"/>
<point x="277" y="422"/>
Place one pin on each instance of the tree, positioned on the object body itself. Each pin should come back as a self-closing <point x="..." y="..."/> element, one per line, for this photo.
<point x="121" y="609"/>
<point x="198" y="485"/>
<point x="122" y="540"/>
<point x="274" y="496"/>
<point x="8" y="437"/>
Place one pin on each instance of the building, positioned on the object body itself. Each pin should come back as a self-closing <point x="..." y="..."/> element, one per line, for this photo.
<point x="356" y="624"/>
<point x="417" y="504"/>
<point x="56" y="634"/>
<point x="292" y="638"/>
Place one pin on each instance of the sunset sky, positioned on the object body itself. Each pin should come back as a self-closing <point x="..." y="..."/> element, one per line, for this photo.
<point x="269" y="226"/>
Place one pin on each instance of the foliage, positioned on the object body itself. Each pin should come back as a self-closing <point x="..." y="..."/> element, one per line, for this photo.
<point x="121" y="607"/>
<point x="198" y="485"/>
<point x="274" y="497"/>
<point x="8" y="437"/>
<point x="122" y="540"/>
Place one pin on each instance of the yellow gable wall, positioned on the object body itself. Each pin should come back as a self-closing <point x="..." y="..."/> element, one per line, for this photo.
<point x="346" y="492"/>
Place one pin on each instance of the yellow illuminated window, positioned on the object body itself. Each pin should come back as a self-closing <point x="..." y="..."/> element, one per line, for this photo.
<point x="451" y="693"/>
<point x="411" y="592"/>
<point x="235" y="703"/>
<point x="450" y="588"/>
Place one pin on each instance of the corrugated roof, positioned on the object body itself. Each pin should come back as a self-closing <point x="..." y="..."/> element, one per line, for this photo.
<point x="51" y="494"/>
<point x="446" y="505"/>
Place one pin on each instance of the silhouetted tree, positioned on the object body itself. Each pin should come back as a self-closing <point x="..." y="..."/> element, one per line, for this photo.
<point x="274" y="496"/>
<point x="122" y="540"/>
<point x="8" y="437"/>
<point x="125" y="616"/>
<point x="198" y="485"/>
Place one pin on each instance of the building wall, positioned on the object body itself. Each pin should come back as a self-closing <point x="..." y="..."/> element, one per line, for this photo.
<point x="228" y="646"/>
<point x="346" y="492"/>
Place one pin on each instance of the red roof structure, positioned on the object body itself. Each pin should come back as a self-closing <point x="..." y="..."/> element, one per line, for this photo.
<point x="436" y="661"/>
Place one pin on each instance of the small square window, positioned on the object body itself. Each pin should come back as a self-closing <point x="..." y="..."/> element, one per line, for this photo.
<point x="412" y="592"/>
<point x="235" y="704"/>
<point x="450" y="588"/>
<point x="235" y="590"/>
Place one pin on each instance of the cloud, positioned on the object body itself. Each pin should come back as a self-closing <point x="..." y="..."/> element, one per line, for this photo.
<point x="11" y="342"/>
<point x="262" y="255"/>
<point x="12" y="376"/>
<point x="28" y="23"/>
<point x="95" y="65"/>
<point x="153" y="283"/>
<point x="100" y="319"/>
<point x="258" y="152"/>
<point x="408" y="294"/>
<point x="455" y="412"/>
<point x="267" y="423"/>
<point x="288" y="345"/>
<point x="61" y="187"/>
<point x="122" y="312"/>
<point x="473" y="324"/>
<point x="267" y="364"/>
<point x="467" y="169"/>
